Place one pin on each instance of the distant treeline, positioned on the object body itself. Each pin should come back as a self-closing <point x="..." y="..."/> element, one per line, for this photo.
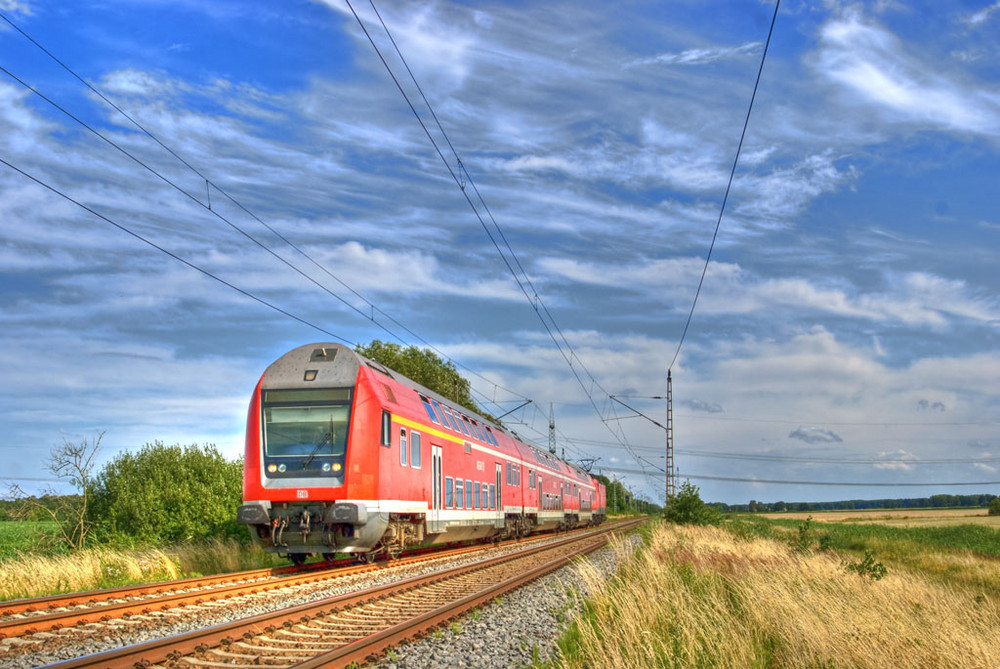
<point x="18" y="510"/>
<point x="935" y="501"/>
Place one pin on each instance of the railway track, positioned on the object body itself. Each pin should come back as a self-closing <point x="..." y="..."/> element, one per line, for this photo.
<point x="50" y="628"/>
<point x="353" y="627"/>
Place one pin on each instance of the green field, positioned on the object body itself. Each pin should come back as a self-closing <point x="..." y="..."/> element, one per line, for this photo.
<point x="20" y="537"/>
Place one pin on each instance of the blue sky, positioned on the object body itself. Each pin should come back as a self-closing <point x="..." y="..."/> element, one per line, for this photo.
<point x="850" y="310"/>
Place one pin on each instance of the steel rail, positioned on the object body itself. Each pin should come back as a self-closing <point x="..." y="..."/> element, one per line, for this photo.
<point x="172" y="648"/>
<point x="372" y="646"/>
<point x="167" y="594"/>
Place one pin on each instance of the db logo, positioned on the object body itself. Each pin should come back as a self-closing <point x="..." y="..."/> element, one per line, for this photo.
<point x="302" y="494"/>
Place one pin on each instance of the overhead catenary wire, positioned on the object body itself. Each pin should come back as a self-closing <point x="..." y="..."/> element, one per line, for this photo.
<point x="173" y="255"/>
<point x="860" y="484"/>
<point x="524" y="284"/>
<point x="207" y="205"/>
<point x="729" y="185"/>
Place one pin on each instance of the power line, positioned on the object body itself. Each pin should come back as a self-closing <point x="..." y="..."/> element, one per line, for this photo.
<point x="864" y="484"/>
<point x="532" y="296"/>
<point x="176" y="257"/>
<point x="237" y="203"/>
<point x="729" y="185"/>
<point x="802" y="459"/>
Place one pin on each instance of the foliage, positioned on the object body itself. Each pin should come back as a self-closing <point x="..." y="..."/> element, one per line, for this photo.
<point x="934" y="501"/>
<point x="803" y="540"/>
<point x="164" y="494"/>
<point x="687" y="508"/>
<point x="876" y="571"/>
<point x="426" y="368"/>
<point x="75" y="463"/>
<point x="29" y="536"/>
<point x="618" y="498"/>
<point x="858" y="537"/>
<point x="995" y="507"/>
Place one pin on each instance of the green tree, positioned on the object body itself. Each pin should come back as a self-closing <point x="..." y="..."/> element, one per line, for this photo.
<point x="687" y="508"/>
<point x="426" y="368"/>
<point x="995" y="507"/>
<point x="164" y="493"/>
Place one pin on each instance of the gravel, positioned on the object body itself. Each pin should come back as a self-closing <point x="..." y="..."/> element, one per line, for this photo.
<point x="513" y="631"/>
<point x="502" y="634"/>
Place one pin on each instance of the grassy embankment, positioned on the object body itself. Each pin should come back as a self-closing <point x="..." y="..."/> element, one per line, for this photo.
<point x="31" y="565"/>
<point x="746" y="597"/>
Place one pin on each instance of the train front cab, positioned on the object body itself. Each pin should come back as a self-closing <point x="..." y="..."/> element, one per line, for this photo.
<point x="309" y="424"/>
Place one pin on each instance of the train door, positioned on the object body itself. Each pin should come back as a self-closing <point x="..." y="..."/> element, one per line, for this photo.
<point x="499" y="505"/>
<point x="436" y="486"/>
<point x="541" y="495"/>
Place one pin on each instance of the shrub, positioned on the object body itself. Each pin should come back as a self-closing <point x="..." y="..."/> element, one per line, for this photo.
<point x="803" y="542"/>
<point x="166" y="494"/>
<point x="868" y="567"/>
<point x="687" y="508"/>
<point x="995" y="507"/>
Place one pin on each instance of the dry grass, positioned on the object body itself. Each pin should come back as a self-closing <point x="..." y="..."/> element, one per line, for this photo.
<point x="699" y="597"/>
<point x="897" y="517"/>
<point x="27" y="575"/>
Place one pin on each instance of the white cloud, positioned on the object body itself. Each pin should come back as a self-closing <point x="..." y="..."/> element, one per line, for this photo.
<point x="872" y="63"/>
<point x="983" y="15"/>
<point x="699" y="56"/>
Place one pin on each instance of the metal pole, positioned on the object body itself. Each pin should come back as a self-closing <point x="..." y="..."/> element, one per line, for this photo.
<point x="671" y="475"/>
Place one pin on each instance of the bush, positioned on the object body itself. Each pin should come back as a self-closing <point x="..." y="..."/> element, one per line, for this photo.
<point x="686" y="508"/>
<point x="995" y="507"/>
<point x="167" y="493"/>
<point x="876" y="571"/>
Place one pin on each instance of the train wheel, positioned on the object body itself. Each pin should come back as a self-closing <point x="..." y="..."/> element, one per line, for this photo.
<point x="329" y="557"/>
<point x="298" y="559"/>
<point x="370" y="557"/>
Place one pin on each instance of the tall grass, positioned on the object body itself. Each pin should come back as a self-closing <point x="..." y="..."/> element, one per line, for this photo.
<point x="32" y="575"/>
<point x="703" y="597"/>
<point x="970" y="537"/>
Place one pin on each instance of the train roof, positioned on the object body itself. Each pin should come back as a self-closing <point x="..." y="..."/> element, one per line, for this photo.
<point x="329" y="351"/>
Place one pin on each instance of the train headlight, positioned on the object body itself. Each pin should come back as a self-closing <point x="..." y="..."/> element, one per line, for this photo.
<point x="281" y="468"/>
<point x="337" y="466"/>
<point x="272" y="468"/>
<point x="326" y="466"/>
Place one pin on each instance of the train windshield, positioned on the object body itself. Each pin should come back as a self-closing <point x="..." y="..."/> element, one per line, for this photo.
<point x="309" y="423"/>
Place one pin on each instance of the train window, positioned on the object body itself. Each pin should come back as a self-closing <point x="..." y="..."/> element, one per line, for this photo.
<point x="468" y="447"/>
<point x="463" y="423"/>
<point x="517" y="475"/>
<point x="468" y="494"/>
<point x="459" y="496"/>
<point x="452" y="421"/>
<point x="402" y="446"/>
<point x="477" y="431"/>
<point x="306" y="422"/>
<point x="531" y="479"/>
<point x="486" y="496"/>
<point x="475" y="500"/>
<point x="493" y="496"/>
<point x="430" y="410"/>
<point x="386" y="429"/>
<point x="440" y="412"/>
<point x="510" y="479"/>
<point x="415" y="449"/>
<point x="489" y="436"/>
<point x="449" y="492"/>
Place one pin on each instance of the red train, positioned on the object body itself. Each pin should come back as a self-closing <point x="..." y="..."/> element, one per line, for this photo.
<point x="346" y="456"/>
